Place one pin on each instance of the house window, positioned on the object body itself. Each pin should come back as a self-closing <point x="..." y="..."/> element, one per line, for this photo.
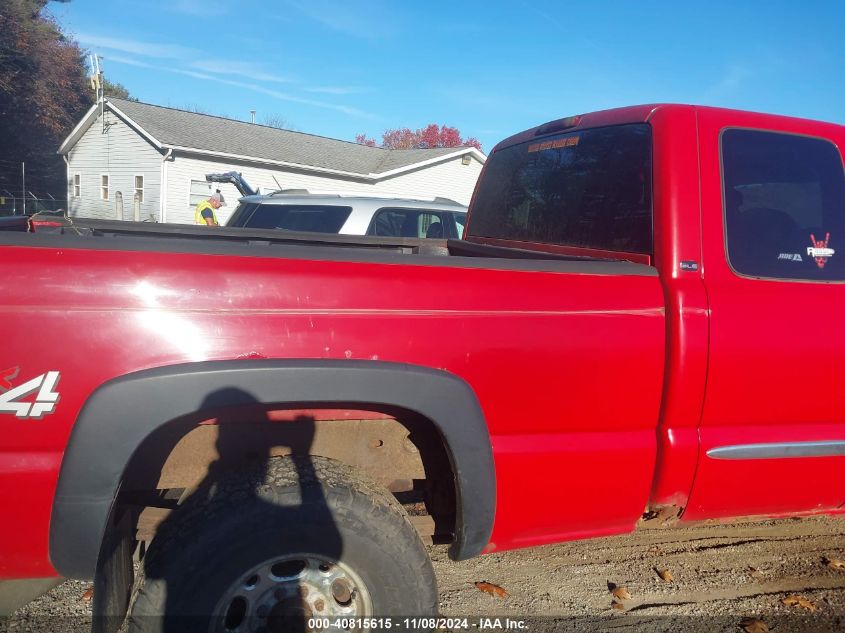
<point x="104" y="186"/>
<point x="139" y="188"/>
<point x="200" y="190"/>
<point x="77" y="185"/>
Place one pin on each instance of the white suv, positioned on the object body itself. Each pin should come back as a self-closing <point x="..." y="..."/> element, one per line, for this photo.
<point x="351" y="214"/>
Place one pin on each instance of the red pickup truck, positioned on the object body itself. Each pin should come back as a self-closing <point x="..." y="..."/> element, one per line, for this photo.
<point x="644" y="320"/>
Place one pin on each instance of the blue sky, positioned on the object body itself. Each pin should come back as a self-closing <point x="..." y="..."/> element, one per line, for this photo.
<point x="337" y="68"/>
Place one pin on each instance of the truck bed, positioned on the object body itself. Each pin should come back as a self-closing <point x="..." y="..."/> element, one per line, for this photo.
<point x="112" y="299"/>
<point x="242" y="242"/>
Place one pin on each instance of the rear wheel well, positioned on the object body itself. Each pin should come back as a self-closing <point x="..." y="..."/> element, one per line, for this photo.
<point x="400" y="449"/>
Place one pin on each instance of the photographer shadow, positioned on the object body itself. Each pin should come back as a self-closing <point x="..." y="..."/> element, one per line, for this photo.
<point x="254" y="545"/>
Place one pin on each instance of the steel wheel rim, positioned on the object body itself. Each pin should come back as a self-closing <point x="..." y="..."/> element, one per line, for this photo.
<point x="284" y="593"/>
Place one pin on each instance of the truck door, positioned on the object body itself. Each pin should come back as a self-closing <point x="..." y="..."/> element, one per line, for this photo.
<point x="772" y="433"/>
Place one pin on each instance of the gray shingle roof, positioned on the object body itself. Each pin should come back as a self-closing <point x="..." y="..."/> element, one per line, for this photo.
<point x="201" y="131"/>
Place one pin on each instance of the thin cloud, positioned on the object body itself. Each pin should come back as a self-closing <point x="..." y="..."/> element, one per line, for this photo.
<point x="156" y="50"/>
<point x="129" y="61"/>
<point x="192" y="73"/>
<point x="288" y="97"/>
<point x="136" y="47"/>
<point x="339" y="90"/>
<point x="211" y="70"/>
<point x="241" y="69"/>
<point x="282" y="96"/>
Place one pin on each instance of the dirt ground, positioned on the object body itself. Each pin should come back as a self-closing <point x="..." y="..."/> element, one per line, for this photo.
<point x="721" y="576"/>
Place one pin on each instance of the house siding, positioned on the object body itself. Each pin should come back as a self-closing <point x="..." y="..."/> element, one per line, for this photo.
<point x="450" y="179"/>
<point x="121" y="153"/>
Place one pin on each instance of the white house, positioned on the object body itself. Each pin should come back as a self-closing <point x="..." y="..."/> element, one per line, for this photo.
<point x="122" y="148"/>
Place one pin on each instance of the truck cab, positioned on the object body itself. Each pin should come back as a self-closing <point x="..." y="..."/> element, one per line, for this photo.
<point x="743" y="217"/>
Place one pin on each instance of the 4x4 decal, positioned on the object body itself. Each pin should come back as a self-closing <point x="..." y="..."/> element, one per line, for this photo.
<point x="45" y="400"/>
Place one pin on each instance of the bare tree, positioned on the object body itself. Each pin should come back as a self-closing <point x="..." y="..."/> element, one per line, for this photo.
<point x="277" y="121"/>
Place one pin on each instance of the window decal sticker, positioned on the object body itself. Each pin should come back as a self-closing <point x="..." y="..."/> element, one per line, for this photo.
<point x="819" y="250"/>
<point x="572" y="141"/>
<point x="792" y="257"/>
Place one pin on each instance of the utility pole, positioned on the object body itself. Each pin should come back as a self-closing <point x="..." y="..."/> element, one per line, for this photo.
<point x="23" y="185"/>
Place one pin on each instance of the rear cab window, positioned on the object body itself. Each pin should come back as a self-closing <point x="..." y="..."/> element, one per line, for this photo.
<point x="588" y="189"/>
<point x="784" y="205"/>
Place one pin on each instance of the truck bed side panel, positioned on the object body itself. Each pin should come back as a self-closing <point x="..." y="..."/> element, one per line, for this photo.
<point x="567" y="366"/>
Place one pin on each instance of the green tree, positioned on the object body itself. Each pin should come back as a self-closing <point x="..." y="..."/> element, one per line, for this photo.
<point x="115" y="89"/>
<point x="43" y="94"/>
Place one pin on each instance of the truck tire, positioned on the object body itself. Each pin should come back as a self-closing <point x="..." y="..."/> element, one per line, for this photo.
<point x="275" y="547"/>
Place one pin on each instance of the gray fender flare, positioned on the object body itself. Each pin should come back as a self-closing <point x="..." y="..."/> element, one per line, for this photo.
<point x="123" y="412"/>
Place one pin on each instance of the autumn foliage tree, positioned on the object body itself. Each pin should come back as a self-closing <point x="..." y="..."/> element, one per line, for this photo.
<point x="430" y="136"/>
<point x="43" y="94"/>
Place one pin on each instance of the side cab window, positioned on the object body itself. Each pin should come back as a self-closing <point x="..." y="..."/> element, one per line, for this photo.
<point x="784" y="201"/>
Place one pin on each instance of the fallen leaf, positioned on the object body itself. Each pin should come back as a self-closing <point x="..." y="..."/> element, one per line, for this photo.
<point x="753" y="625"/>
<point x="665" y="575"/>
<point x="89" y="593"/>
<point x="798" y="601"/>
<point x="621" y="593"/>
<point x="493" y="590"/>
<point x="834" y="563"/>
<point x="617" y="605"/>
<point x="754" y="572"/>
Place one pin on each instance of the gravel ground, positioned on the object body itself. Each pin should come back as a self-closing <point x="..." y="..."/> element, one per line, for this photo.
<point x="721" y="574"/>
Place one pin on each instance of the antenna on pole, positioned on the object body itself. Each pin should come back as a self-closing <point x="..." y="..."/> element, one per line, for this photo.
<point x="96" y="80"/>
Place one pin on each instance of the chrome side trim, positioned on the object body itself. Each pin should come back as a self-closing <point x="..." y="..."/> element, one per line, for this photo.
<point x="779" y="450"/>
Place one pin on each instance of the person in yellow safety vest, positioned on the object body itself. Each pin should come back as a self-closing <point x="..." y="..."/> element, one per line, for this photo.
<point x="204" y="213"/>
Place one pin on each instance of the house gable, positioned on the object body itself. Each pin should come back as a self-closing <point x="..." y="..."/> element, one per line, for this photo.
<point x="226" y="139"/>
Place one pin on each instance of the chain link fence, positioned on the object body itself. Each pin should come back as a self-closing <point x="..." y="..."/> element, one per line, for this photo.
<point x="28" y="202"/>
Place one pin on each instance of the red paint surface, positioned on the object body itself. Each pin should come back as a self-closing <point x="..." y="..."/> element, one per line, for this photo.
<point x="535" y="358"/>
<point x="775" y="369"/>
<point x="595" y="389"/>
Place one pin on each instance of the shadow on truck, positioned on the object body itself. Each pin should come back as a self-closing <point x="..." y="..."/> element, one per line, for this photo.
<point x="225" y="552"/>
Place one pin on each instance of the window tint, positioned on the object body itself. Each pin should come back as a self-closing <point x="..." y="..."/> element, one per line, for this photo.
<point x="784" y="198"/>
<point x="242" y="213"/>
<point x="590" y="188"/>
<point x="306" y="217"/>
<point x="412" y="223"/>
